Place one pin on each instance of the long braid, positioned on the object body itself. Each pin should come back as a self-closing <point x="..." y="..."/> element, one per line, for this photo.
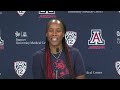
<point x="48" y="66"/>
<point x="68" y="60"/>
<point x="67" y="54"/>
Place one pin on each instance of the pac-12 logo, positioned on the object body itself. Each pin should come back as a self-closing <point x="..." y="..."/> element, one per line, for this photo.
<point x="20" y="67"/>
<point x="117" y="66"/>
<point x="70" y="38"/>
<point x="21" y="13"/>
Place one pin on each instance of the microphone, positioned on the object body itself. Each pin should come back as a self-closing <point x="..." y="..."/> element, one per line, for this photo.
<point x="56" y="72"/>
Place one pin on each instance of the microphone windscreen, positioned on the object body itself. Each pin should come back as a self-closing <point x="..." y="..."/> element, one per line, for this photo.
<point x="57" y="50"/>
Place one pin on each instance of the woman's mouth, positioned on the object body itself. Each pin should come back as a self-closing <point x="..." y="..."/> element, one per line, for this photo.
<point x="54" y="39"/>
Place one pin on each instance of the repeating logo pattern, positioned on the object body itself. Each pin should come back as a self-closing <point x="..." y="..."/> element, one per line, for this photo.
<point x="96" y="41"/>
<point x="21" y="13"/>
<point x="117" y="66"/>
<point x="70" y="38"/>
<point x="20" y="67"/>
<point x="1" y="42"/>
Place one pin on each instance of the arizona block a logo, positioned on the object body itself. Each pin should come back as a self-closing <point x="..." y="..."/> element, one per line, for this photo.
<point x="96" y="37"/>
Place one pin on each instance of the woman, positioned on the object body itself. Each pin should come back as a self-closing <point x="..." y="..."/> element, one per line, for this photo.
<point x="57" y="60"/>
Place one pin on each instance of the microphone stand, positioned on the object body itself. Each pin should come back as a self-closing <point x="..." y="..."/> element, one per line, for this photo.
<point x="56" y="74"/>
<point x="56" y="71"/>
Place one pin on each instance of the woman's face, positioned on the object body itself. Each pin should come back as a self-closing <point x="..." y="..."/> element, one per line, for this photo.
<point x="55" y="33"/>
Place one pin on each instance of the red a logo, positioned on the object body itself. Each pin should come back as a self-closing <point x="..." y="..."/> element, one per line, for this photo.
<point x="96" y="37"/>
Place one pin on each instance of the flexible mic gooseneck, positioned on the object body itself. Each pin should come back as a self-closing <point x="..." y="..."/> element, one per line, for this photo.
<point x="56" y="72"/>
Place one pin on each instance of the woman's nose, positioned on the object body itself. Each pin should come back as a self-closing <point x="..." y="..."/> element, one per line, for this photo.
<point x="54" y="33"/>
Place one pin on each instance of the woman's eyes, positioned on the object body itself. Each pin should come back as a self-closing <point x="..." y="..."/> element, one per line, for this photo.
<point x="51" y="30"/>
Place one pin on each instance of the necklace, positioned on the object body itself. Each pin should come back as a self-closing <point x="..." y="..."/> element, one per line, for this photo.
<point x="58" y="55"/>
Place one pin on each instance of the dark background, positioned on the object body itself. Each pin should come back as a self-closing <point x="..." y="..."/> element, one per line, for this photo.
<point x="100" y="60"/>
